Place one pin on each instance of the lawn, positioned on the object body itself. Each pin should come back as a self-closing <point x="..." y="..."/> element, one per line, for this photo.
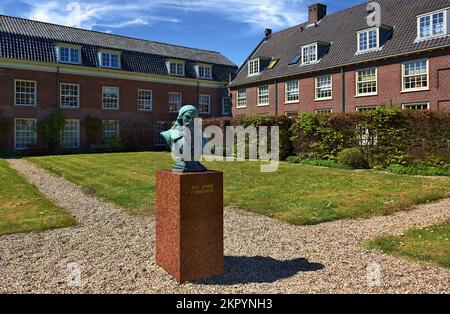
<point x="23" y="208"/>
<point x="299" y="194"/>
<point x="428" y="244"/>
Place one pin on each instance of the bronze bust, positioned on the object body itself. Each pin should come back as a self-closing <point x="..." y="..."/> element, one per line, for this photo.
<point x="176" y="139"/>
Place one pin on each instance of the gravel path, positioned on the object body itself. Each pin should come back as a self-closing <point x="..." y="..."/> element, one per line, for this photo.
<point x="116" y="251"/>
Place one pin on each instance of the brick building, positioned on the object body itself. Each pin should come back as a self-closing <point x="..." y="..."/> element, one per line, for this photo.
<point x="132" y="85"/>
<point x="339" y="63"/>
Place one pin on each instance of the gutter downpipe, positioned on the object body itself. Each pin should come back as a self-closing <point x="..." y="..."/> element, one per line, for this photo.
<point x="342" y="89"/>
<point x="276" y="97"/>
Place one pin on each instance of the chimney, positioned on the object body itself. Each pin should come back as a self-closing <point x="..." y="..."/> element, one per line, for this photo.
<point x="268" y="33"/>
<point x="316" y="12"/>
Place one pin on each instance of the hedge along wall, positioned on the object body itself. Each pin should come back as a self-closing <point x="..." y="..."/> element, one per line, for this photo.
<point x="283" y="122"/>
<point x="387" y="135"/>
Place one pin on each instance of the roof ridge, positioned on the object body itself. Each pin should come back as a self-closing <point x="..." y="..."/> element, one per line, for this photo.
<point x="107" y="34"/>
<point x="326" y="16"/>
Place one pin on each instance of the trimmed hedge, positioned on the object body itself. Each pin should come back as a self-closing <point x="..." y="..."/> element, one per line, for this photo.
<point x="283" y="122"/>
<point x="385" y="135"/>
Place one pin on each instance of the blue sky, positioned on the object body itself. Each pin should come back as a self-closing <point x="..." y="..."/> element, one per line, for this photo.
<point x="232" y="27"/>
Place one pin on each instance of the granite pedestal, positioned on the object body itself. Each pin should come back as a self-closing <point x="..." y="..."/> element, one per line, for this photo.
<point x="189" y="224"/>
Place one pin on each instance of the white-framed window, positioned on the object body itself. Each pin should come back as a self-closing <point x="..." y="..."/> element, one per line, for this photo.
<point x="69" y="95"/>
<point x="145" y="100"/>
<point x="415" y="75"/>
<point x="309" y="53"/>
<point x="176" y="67"/>
<point x="226" y="105"/>
<point x="366" y="82"/>
<point x="204" y="104"/>
<point x="111" y="129"/>
<point x="432" y="24"/>
<point x="253" y="67"/>
<point x="110" y="60"/>
<point x="292" y="94"/>
<point x="324" y="87"/>
<point x="241" y="98"/>
<point x="368" y="39"/>
<point x="70" y="135"/>
<point x="175" y="101"/>
<point x="25" y="133"/>
<point x="69" y="54"/>
<point x="160" y="126"/>
<point x="204" y="71"/>
<point x="323" y="110"/>
<point x="416" y="106"/>
<point x="25" y="93"/>
<point x="366" y="108"/>
<point x="110" y="98"/>
<point x="263" y="95"/>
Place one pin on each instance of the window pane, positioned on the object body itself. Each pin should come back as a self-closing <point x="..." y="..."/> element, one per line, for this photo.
<point x="204" y="102"/>
<point x="292" y="91"/>
<point x="70" y="135"/>
<point x="25" y="93"/>
<point x="110" y="129"/>
<point x="69" y="96"/>
<point x="263" y="95"/>
<point x="438" y="23"/>
<point x="145" y="100"/>
<point x="175" y="102"/>
<point x="25" y="133"/>
<point x="226" y="105"/>
<point x="110" y="98"/>
<point x="241" y="98"/>
<point x="323" y="87"/>
<point x="425" y="26"/>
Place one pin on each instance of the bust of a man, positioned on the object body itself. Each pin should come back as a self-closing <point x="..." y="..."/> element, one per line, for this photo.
<point x="180" y="145"/>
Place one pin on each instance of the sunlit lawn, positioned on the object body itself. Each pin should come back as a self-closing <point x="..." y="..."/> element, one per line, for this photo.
<point x="428" y="244"/>
<point x="299" y="194"/>
<point x="23" y="208"/>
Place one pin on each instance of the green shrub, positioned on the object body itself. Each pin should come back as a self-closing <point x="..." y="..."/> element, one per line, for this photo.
<point x="423" y="171"/>
<point x="353" y="157"/>
<point x="115" y="144"/>
<point x="50" y="128"/>
<point x="316" y="162"/>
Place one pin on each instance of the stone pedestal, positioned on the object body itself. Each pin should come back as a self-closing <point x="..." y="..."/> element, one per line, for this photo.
<point x="189" y="224"/>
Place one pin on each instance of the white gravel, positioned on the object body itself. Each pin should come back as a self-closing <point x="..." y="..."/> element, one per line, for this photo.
<point x="116" y="252"/>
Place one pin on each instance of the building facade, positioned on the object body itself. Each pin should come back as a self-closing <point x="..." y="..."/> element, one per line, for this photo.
<point x="133" y="86"/>
<point x="343" y="63"/>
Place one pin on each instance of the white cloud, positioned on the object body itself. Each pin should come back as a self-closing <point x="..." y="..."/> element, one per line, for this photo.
<point x="256" y="14"/>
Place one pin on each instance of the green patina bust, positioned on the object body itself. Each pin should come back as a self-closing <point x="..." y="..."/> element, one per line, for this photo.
<point x="185" y="153"/>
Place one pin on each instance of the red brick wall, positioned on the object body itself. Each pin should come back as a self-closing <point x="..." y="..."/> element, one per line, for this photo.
<point x="389" y="88"/>
<point x="91" y="99"/>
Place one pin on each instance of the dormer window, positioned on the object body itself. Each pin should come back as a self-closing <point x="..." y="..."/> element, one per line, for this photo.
<point x="432" y="24"/>
<point x="175" y="67"/>
<point x="309" y="53"/>
<point x="110" y="59"/>
<point x="69" y="54"/>
<point x="204" y="71"/>
<point x="369" y="39"/>
<point x="253" y="67"/>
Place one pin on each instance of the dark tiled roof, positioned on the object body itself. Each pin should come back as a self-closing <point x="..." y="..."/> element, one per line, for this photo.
<point x="35" y="41"/>
<point x="340" y="29"/>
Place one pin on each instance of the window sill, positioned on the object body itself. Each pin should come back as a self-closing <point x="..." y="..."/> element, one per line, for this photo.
<point x="415" y="90"/>
<point x="366" y="95"/>
<point x="292" y="102"/>
<point x="241" y="107"/>
<point x="264" y="105"/>
<point x="110" y="109"/>
<point x="25" y="106"/>
<point x="69" y="107"/>
<point x="419" y="40"/>
<point x="144" y="110"/>
<point x="323" y="99"/>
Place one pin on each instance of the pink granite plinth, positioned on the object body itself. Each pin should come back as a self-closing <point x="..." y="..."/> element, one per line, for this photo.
<point x="189" y="224"/>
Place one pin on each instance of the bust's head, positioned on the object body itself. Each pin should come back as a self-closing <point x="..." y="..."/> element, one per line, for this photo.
<point x="186" y="116"/>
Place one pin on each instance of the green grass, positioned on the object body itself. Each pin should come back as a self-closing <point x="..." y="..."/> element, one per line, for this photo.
<point x="429" y="244"/>
<point x="299" y="194"/>
<point x="23" y="208"/>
